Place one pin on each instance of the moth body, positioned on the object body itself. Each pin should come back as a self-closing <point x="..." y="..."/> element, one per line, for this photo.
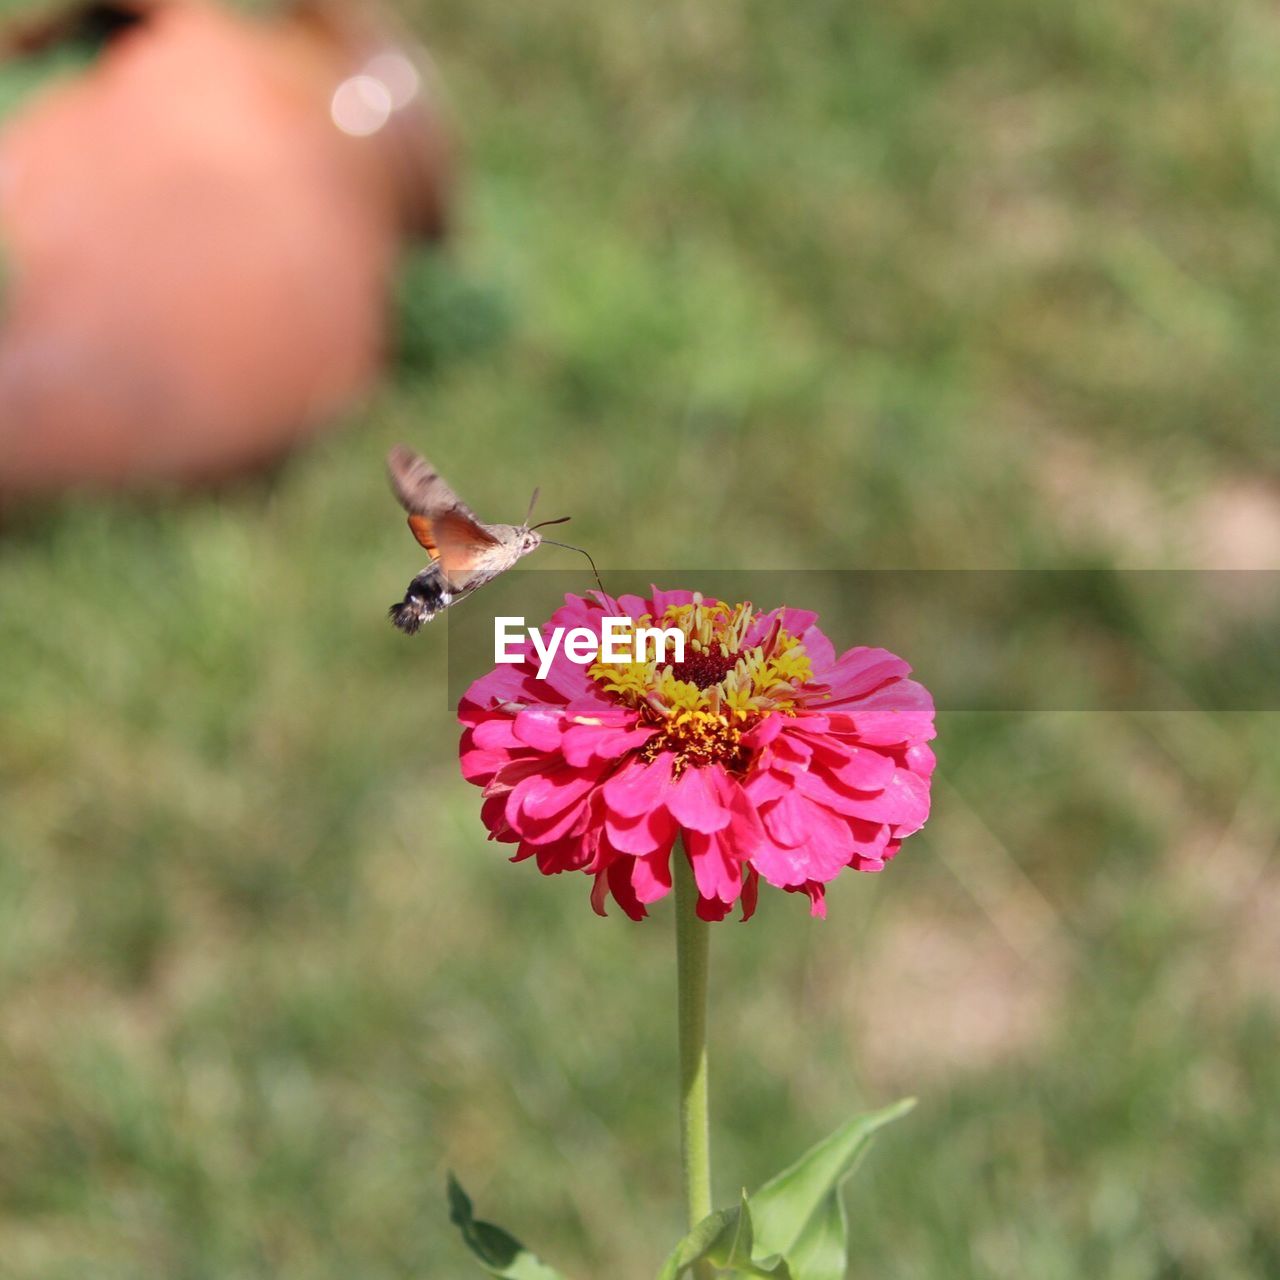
<point x="465" y="553"/>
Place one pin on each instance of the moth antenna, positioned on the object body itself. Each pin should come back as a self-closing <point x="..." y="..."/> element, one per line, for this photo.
<point x="568" y="546"/>
<point x="532" y="503"/>
<point x="542" y="524"/>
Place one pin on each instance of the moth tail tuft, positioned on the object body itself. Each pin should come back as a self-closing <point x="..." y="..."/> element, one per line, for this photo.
<point x="409" y="615"/>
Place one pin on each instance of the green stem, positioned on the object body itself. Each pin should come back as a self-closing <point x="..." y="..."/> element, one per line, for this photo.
<point x="691" y="985"/>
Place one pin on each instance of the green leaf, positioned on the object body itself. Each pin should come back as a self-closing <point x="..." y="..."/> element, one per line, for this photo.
<point x="799" y="1213"/>
<point x="743" y="1241"/>
<point x="725" y="1239"/>
<point x="822" y="1251"/>
<point x="499" y="1253"/>
<point x="699" y="1242"/>
<point x="742" y="1258"/>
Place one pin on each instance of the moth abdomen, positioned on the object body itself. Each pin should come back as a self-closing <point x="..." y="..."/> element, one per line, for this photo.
<point x="426" y="596"/>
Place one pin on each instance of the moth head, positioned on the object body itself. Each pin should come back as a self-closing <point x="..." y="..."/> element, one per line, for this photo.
<point x="529" y="535"/>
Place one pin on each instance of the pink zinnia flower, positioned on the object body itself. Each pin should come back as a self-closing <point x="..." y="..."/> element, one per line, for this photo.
<point x="766" y="752"/>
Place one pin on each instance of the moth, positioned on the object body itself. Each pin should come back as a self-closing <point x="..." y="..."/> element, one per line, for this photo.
<point x="465" y="552"/>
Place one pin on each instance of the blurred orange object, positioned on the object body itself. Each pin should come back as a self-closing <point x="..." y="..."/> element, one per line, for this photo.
<point x="198" y="234"/>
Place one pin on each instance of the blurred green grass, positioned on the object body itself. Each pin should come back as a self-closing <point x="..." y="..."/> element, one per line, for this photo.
<point x="740" y="286"/>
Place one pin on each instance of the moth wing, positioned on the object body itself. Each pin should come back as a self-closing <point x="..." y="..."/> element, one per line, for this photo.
<point x="421" y="489"/>
<point x="459" y="545"/>
<point x="467" y="552"/>
<point x="424" y="531"/>
<point x="440" y="521"/>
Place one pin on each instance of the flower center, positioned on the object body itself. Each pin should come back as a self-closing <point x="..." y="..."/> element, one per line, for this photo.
<point x="698" y="738"/>
<point x="703" y="704"/>
<point x="703" y="669"/>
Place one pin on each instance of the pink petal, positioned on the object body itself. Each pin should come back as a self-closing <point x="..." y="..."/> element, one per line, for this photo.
<point x="480" y="764"/>
<point x="821" y="651"/>
<point x="493" y="815"/>
<point x="578" y="611"/>
<point x="717" y="873"/>
<point x="600" y="892"/>
<point x="498" y="734"/>
<point x="663" y="600"/>
<point x="785" y="820"/>
<point x="904" y="802"/>
<point x="857" y="672"/>
<point x="892" y="728"/>
<point x="642" y="834"/>
<point x="620" y="887"/>
<point x="863" y="770"/>
<point x="712" y="909"/>
<point x="870" y="840"/>
<point x="632" y="606"/>
<point x="506" y="683"/>
<point x="546" y="806"/>
<point x="816" y="843"/>
<point x="745" y="833"/>
<point x="592" y="708"/>
<point x="820" y="786"/>
<point x="900" y="712"/>
<point x="540" y="727"/>
<point x="817" y="899"/>
<point x="764" y="733"/>
<point x="517" y="768"/>
<point x="583" y="743"/>
<point x="651" y="875"/>
<point x="573" y="822"/>
<point x="790" y="749"/>
<point x="921" y="760"/>
<point x="782" y="866"/>
<point x="639" y="787"/>
<point x="765" y="786"/>
<point x="696" y="800"/>
<point x="810" y="723"/>
<point x="552" y="859"/>
<point x="795" y="621"/>
<point x="552" y="791"/>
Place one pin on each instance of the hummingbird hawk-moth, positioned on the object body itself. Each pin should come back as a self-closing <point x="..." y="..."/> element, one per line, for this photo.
<point x="465" y="552"/>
